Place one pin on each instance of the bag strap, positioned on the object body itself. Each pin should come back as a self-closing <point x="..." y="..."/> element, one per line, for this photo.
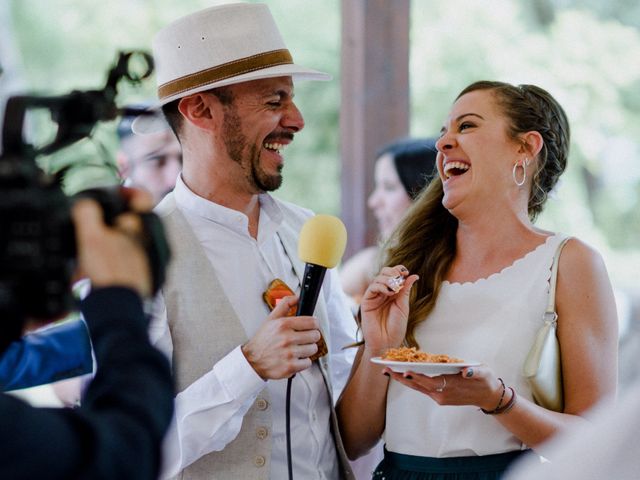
<point x="550" y="314"/>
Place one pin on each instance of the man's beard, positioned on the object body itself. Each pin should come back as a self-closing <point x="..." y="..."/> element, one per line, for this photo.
<point x="236" y="143"/>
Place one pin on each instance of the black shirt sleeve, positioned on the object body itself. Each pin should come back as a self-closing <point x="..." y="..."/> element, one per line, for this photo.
<point x="117" y="432"/>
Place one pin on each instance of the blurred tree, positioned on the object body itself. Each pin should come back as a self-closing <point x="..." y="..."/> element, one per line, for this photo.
<point x="589" y="64"/>
<point x="10" y="77"/>
<point x="585" y="52"/>
<point x="626" y="12"/>
<point x="76" y="50"/>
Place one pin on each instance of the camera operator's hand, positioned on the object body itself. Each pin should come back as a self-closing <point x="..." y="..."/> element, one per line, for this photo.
<point x="113" y="256"/>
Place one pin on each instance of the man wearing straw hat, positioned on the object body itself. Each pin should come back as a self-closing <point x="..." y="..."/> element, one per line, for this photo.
<point x="226" y="87"/>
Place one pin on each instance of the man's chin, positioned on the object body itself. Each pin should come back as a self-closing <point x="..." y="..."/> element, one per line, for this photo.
<point x="270" y="184"/>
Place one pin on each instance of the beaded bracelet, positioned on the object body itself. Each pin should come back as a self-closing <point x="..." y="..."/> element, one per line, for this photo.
<point x="505" y="408"/>
<point x="490" y="412"/>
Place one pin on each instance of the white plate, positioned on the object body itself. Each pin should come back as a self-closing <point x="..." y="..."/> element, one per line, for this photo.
<point x="429" y="369"/>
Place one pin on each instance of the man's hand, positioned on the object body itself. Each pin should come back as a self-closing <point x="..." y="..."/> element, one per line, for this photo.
<point x="282" y="346"/>
<point x="113" y="256"/>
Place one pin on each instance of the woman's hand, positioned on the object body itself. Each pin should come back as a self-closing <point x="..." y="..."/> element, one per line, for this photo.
<point x="476" y="386"/>
<point x="385" y="309"/>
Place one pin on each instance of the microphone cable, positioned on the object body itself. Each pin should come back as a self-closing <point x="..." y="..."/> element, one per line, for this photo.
<point x="288" y="425"/>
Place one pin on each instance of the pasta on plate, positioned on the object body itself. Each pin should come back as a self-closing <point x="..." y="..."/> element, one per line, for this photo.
<point x="412" y="354"/>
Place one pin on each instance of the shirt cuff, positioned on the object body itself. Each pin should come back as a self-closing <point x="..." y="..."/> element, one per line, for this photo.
<point x="237" y="376"/>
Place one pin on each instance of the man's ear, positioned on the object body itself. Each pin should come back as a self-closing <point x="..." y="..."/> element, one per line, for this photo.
<point x="532" y="143"/>
<point x="197" y="110"/>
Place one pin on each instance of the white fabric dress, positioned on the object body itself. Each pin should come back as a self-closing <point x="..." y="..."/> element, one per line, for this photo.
<point x="492" y="321"/>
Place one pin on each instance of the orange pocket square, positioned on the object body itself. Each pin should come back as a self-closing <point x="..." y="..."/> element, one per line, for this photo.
<point x="277" y="290"/>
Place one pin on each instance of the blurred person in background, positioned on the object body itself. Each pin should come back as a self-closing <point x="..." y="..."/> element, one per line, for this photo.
<point x="601" y="449"/>
<point x="402" y="169"/>
<point x="151" y="161"/>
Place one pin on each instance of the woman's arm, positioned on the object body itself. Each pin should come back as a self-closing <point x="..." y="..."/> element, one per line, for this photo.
<point x="587" y="328"/>
<point x="356" y="273"/>
<point x="362" y="406"/>
<point x="588" y="335"/>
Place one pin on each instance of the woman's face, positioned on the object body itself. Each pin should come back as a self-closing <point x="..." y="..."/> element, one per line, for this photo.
<point x="476" y="156"/>
<point x="389" y="200"/>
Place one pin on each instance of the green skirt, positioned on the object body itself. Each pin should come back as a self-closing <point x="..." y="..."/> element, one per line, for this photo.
<point x="396" y="466"/>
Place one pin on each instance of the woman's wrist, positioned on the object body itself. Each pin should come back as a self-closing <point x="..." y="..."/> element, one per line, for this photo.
<point x="372" y="350"/>
<point x="507" y="400"/>
<point x="496" y="399"/>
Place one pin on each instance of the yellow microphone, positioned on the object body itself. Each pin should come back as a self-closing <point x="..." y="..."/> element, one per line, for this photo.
<point x="321" y="245"/>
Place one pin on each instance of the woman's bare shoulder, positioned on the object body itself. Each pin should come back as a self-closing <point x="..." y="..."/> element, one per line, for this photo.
<point x="583" y="281"/>
<point x="579" y="258"/>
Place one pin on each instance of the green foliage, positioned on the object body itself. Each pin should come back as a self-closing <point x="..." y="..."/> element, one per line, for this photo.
<point x="584" y="52"/>
<point x="312" y="161"/>
<point x="590" y="65"/>
<point x="76" y="50"/>
<point x="626" y="12"/>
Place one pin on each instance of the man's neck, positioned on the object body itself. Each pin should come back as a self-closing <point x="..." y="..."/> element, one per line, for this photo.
<point x="230" y="196"/>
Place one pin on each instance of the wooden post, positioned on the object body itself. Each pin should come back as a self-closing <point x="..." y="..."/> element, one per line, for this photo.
<point x="375" y="102"/>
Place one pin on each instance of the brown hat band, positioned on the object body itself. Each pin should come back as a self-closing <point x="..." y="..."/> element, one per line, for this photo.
<point x="224" y="71"/>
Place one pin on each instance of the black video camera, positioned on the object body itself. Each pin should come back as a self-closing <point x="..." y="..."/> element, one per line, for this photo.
<point x="37" y="241"/>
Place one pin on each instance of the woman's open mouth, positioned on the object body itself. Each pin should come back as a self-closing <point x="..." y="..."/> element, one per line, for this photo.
<point x="455" y="168"/>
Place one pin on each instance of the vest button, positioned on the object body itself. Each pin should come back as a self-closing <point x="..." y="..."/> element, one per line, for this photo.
<point x="259" y="461"/>
<point x="262" y="433"/>
<point x="262" y="404"/>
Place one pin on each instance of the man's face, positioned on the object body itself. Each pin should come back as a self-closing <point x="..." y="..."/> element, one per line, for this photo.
<point x="259" y="122"/>
<point x="152" y="162"/>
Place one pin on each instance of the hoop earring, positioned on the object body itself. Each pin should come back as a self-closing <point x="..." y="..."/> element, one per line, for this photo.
<point x="524" y="173"/>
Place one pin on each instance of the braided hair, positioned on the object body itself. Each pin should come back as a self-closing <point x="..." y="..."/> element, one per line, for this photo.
<point x="528" y="108"/>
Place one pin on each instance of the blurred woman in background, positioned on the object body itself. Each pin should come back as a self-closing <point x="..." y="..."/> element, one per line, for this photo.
<point x="402" y="169"/>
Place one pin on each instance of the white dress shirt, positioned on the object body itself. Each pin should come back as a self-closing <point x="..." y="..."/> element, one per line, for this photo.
<point x="208" y="414"/>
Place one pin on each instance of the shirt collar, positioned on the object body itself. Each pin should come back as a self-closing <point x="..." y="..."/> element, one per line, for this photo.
<point x="271" y="215"/>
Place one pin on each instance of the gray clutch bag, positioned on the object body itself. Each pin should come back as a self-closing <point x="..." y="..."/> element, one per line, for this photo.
<point x="542" y="367"/>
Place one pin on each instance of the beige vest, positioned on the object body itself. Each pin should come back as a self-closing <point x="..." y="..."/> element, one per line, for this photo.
<point x="204" y="328"/>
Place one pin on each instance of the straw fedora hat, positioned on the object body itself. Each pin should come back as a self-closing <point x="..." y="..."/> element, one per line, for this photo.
<point x="218" y="46"/>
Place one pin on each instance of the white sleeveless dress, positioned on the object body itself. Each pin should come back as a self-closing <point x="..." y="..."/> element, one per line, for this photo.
<point x="492" y="321"/>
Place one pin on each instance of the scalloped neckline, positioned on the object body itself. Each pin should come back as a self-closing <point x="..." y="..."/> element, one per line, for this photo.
<point x="505" y="269"/>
